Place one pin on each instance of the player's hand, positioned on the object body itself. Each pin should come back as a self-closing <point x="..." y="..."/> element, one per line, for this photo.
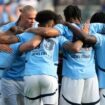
<point x="5" y="48"/>
<point x="30" y="30"/>
<point x="17" y="30"/>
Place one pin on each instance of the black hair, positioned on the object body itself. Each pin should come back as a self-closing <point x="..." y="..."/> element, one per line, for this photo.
<point x="72" y="11"/>
<point x="59" y="19"/>
<point x="46" y="15"/>
<point x="98" y="17"/>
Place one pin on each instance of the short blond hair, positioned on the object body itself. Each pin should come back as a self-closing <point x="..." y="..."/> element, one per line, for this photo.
<point x="26" y="9"/>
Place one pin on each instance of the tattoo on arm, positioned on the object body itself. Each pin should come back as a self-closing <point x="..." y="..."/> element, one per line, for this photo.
<point x="8" y="39"/>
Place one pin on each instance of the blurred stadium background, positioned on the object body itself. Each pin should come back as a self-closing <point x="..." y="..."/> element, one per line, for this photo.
<point x="11" y="7"/>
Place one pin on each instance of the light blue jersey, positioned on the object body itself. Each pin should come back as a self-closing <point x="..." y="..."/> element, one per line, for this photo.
<point x="64" y="32"/>
<point x="14" y="63"/>
<point x="2" y="65"/>
<point x="17" y="68"/>
<point x="40" y="60"/>
<point x="100" y="59"/>
<point x="77" y="65"/>
<point x="7" y="58"/>
<point x="95" y="29"/>
<point x="7" y="26"/>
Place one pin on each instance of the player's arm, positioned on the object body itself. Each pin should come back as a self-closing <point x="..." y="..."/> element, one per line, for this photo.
<point x="73" y="46"/>
<point x="5" y="48"/>
<point x="45" y="32"/>
<point x="30" y="44"/>
<point x="89" y="39"/>
<point x="9" y="37"/>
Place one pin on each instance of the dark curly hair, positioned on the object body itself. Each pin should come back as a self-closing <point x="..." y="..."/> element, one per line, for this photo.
<point x="46" y="15"/>
<point x="72" y="11"/>
<point x="98" y="17"/>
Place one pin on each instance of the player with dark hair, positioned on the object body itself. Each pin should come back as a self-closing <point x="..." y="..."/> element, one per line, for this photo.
<point x="96" y="39"/>
<point x="72" y="14"/>
<point x="41" y="70"/>
<point x="78" y="69"/>
<point x="98" y="17"/>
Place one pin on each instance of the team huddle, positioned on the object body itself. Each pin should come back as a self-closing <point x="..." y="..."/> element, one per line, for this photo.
<point x="29" y="58"/>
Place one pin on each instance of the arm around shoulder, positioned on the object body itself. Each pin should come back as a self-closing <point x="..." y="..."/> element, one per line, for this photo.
<point x="73" y="46"/>
<point x="44" y="32"/>
<point x="27" y="46"/>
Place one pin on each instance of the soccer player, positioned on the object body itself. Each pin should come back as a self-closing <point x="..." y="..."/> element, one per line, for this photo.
<point x="98" y="40"/>
<point x="7" y="56"/>
<point x="40" y="70"/>
<point x="98" y="17"/>
<point x="79" y="75"/>
<point x="12" y="80"/>
<point x="78" y="68"/>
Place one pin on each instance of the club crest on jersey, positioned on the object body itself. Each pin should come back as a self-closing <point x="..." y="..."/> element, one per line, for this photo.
<point x="50" y="44"/>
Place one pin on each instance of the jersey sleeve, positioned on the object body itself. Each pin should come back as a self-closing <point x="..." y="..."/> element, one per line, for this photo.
<point x="60" y="28"/>
<point x="26" y="36"/>
<point x="15" y="47"/>
<point x="100" y="39"/>
<point x="65" y="31"/>
<point x="96" y="28"/>
<point x="62" y="41"/>
<point x="6" y="27"/>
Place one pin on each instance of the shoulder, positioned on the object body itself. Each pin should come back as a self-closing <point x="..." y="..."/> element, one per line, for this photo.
<point x="6" y="27"/>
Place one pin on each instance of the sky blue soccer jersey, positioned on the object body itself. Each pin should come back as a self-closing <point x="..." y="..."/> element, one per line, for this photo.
<point x="99" y="52"/>
<point x="3" y="29"/>
<point x="7" y="58"/>
<point x="100" y="59"/>
<point x="63" y="32"/>
<point x="40" y="60"/>
<point x="16" y="71"/>
<point x="97" y="28"/>
<point x="17" y="68"/>
<point x="7" y="26"/>
<point x="15" y="63"/>
<point x="77" y="65"/>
